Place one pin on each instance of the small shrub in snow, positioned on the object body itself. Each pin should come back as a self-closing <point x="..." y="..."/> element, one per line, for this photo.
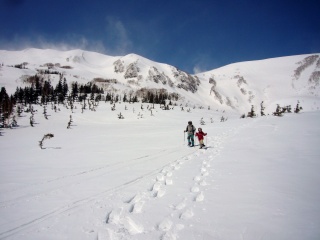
<point x="262" y="109"/>
<point x="279" y="112"/>
<point x="252" y="112"/>
<point x="223" y="119"/>
<point x="46" y="136"/>
<point x="69" y="123"/>
<point x="45" y="112"/>
<point x="120" y="116"/>
<point x="298" y="108"/>
<point x="31" y="121"/>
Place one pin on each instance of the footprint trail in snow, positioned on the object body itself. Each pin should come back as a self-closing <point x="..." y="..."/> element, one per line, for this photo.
<point x="132" y="220"/>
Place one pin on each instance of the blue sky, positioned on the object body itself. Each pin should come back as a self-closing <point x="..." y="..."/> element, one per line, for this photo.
<point x="193" y="35"/>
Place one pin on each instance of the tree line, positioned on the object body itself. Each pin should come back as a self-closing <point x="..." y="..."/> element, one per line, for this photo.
<point x="42" y="92"/>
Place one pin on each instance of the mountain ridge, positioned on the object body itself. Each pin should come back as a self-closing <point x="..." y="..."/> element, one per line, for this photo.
<point x="235" y="86"/>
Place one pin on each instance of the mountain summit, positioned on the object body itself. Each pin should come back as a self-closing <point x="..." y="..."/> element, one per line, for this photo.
<point x="236" y="86"/>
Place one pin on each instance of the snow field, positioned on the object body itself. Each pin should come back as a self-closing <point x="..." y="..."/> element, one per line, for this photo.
<point x="42" y="176"/>
<point x="160" y="192"/>
<point x="136" y="179"/>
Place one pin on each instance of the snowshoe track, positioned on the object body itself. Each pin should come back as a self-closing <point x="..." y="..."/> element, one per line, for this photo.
<point x="180" y="212"/>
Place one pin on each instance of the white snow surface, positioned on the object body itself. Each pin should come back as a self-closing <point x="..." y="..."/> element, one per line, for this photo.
<point x="133" y="178"/>
<point x="136" y="178"/>
<point x="271" y="80"/>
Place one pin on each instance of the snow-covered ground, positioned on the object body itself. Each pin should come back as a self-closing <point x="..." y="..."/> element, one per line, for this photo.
<point x="135" y="178"/>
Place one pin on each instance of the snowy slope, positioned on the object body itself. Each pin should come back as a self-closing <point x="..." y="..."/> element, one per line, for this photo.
<point x="84" y="65"/>
<point x="135" y="178"/>
<point x="236" y="86"/>
<point x="279" y="80"/>
<point x="130" y="71"/>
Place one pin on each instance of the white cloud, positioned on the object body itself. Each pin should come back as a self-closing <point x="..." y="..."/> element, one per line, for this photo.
<point x="115" y="42"/>
<point x="117" y="37"/>
<point x="197" y="69"/>
<point x="71" y="42"/>
<point x="204" y="63"/>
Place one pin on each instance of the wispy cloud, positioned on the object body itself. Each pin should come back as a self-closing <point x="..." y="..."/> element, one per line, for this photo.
<point x="115" y="42"/>
<point x="204" y="62"/>
<point x="198" y="69"/>
<point x="201" y="66"/>
<point x="39" y="41"/>
<point x="118" y="41"/>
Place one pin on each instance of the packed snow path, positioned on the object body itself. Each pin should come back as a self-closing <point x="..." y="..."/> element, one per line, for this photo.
<point x="258" y="179"/>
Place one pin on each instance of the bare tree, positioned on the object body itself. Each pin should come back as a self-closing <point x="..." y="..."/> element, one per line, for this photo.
<point x="46" y="136"/>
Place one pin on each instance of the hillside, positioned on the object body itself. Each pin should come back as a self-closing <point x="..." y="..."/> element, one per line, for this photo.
<point x="279" y="80"/>
<point x="92" y="166"/>
<point x="233" y="87"/>
<point x="135" y="178"/>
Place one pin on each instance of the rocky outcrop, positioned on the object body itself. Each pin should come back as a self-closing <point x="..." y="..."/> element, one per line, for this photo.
<point x="185" y="80"/>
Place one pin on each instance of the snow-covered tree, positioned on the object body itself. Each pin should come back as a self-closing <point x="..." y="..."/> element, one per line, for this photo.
<point x="252" y="112"/>
<point x="298" y="108"/>
<point x="262" y="109"/>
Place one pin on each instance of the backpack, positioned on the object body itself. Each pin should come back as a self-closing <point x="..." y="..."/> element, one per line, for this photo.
<point x="191" y="129"/>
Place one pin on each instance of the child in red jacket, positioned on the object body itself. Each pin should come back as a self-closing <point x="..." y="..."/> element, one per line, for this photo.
<point x="200" y="136"/>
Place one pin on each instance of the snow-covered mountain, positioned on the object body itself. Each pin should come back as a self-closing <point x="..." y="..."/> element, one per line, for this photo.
<point x="74" y="172"/>
<point x="278" y="80"/>
<point x="236" y="86"/>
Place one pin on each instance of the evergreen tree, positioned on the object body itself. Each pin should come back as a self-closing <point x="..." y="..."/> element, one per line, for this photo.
<point x="59" y="91"/>
<point x="135" y="99"/>
<point x="156" y="99"/>
<point x="47" y="92"/>
<point x="124" y="98"/>
<point x="32" y="95"/>
<point x="7" y="104"/>
<point x="65" y="88"/>
<point x="75" y="91"/>
<point x="38" y="86"/>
